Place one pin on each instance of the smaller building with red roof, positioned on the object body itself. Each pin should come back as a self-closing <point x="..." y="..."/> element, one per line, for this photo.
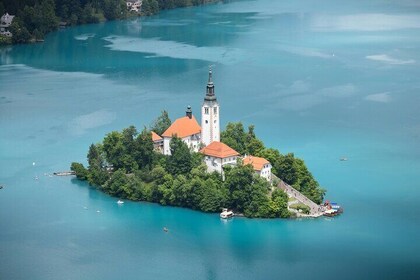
<point x="217" y="155"/>
<point x="260" y="165"/>
<point x="157" y="142"/>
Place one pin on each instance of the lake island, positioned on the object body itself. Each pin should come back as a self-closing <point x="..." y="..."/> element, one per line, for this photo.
<point x="185" y="164"/>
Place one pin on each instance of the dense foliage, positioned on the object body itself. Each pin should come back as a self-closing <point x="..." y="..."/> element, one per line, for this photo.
<point x="125" y="165"/>
<point x="35" y="18"/>
<point x="162" y="123"/>
<point x="288" y="168"/>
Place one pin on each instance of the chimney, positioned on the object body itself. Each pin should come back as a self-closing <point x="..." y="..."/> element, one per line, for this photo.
<point x="188" y="113"/>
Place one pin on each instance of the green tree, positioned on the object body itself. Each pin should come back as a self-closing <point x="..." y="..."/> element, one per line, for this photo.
<point x="97" y="173"/>
<point x="114" y="9"/>
<point x="180" y="160"/>
<point x="253" y="145"/>
<point x="129" y="146"/>
<point x="69" y="10"/>
<point x="19" y="31"/>
<point x="161" y="124"/>
<point x="243" y="142"/>
<point x="165" y="191"/>
<point x="97" y="176"/>
<point x="114" y="149"/>
<point x="287" y="169"/>
<point x="27" y="16"/>
<point x="249" y="193"/>
<point x="37" y="34"/>
<point x="239" y="183"/>
<point x="257" y="202"/>
<point x="209" y="195"/>
<point x="45" y="16"/>
<point x="143" y="152"/>
<point x="273" y="156"/>
<point x="94" y="156"/>
<point x="88" y="14"/>
<point x="2" y="11"/>
<point x="81" y="171"/>
<point x="158" y="175"/>
<point x="118" y="184"/>
<point x="181" y="189"/>
<point x="278" y="204"/>
<point x="234" y="136"/>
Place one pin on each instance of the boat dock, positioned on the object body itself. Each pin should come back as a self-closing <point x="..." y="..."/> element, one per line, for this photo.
<point x="65" y="173"/>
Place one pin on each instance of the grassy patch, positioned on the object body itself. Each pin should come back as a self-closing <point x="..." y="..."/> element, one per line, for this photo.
<point x="300" y="206"/>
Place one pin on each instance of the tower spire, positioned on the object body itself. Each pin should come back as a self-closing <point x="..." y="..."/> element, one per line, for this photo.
<point x="210" y="88"/>
<point x="210" y="116"/>
<point x="210" y="76"/>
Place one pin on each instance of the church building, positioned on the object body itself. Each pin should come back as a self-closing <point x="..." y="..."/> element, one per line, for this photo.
<point x="188" y="129"/>
<point x="206" y="138"/>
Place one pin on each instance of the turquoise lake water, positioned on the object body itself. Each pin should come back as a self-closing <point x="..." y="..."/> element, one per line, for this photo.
<point x="323" y="79"/>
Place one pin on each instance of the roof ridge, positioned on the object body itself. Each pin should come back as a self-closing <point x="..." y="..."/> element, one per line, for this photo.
<point x="183" y="127"/>
<point x="219" y="150"/>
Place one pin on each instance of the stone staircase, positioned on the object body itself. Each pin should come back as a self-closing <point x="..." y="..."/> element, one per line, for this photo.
<point x="315" y="209"/>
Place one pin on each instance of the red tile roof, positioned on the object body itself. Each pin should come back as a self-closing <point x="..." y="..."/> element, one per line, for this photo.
<point x="183" y="127"/>
<point x="219" y="150"/>
<point x="155" y="137"/>
<point x="256" y="162"/>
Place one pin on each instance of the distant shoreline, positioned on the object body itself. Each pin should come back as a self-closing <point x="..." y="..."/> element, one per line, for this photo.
<point x="26" y="29"/>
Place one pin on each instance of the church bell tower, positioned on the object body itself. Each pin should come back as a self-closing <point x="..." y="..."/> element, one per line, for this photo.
<point x="210" y="115"/>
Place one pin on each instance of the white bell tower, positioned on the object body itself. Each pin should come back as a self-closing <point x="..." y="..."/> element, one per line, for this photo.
<point x="210" y="115"/>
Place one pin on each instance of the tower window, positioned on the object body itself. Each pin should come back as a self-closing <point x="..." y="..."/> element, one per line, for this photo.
<point x="207" y="121"/>
<point x="215" y="110"/>
<point x="206" y="110"/>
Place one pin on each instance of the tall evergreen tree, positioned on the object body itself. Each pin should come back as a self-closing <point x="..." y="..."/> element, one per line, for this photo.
<point x="162" y="123"/>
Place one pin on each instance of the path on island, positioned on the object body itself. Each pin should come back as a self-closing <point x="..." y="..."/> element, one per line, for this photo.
<point x="315" y="209"/>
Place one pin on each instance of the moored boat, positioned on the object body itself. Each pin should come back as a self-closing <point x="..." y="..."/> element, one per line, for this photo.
<point x="332" y="209"/>
<point x="226" y="214"/>
<point x="330" y="213"/>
